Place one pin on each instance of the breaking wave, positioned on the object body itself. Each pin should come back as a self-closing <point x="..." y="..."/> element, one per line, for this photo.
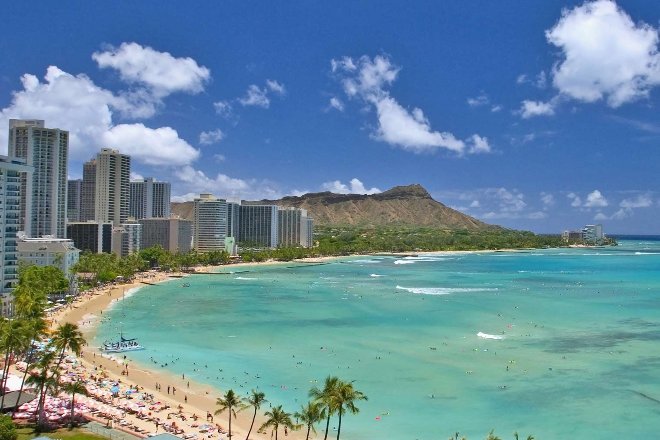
<point x="487" y="336"/>
<point x="444" y="290"/>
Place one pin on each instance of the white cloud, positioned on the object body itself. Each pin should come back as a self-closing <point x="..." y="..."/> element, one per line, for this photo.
<point x="600" y="217"/>
<point x="276" y="87"/>
<point x="136" y="176"/>
<point x="475" y="204"/>
<point x="641" y="201"/>
<point x="541" y="80"/>
<point x="193" y="181"/>
<point x="258" y="97"/>
<point x="355" y="186"/>
<point x="605" y="55"/>
<point x="367" y="79"/>
<point x="336" y="103"/>
<point x="219" y="157"/>
<point x="254" y="96"/>
<point x="496" y="108"/>
<point x="595" y="200"/>
<point x="530" y="109"/>
<point x="621" y="214"/>
<point x="158" y="147"/>
<point x="160" y="71"/>
<point x="410" y="130"/>
<point x="478" y="101"/>
<point x="76" y="104"/>
<point x="521" y="79"/>
<point x="576" y="200"/>
<point x="223" y="108"/>
<point x="479" y="145"/>
<point x="537" y="215"/>
<point x="548" y="200"/>
<point x="211" y="137"/>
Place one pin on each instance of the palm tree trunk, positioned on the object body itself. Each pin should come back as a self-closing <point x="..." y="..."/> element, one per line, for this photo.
<point x="252" y="424"/>
<point x="327" y="426"/>
<point x="73" y="403"/>
<point x="339" y="425"/>
<point x="276" y="434"/>
<point x="309" y="428"/>
<point x="27" y="368"/>
<point x="3" y="382"/>
<point x="229" y="435"/>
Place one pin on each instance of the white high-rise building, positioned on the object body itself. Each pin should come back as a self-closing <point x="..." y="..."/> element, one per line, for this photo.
<point x="149" y="199"/>
<point x="88" y="192"/>
<point x="112" y="191"/>
<point x="210" y="227"/>
<point x="47" y="151"/>
<point x="12" y="173"/>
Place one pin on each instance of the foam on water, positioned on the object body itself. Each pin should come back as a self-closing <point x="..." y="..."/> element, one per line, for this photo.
<point x="245" y="278"/>
<point x="444" y="290"/>
<point x="375" y="275"/>
<point x="489" y="336"/>
<point x="404" y="262"/>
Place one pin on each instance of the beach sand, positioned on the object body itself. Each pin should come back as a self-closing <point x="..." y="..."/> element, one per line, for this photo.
<point x="86" y="311"/>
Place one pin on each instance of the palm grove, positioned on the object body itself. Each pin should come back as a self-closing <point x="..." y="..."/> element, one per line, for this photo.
<point x="337" y="397"/>
<point x="20" y="337"/>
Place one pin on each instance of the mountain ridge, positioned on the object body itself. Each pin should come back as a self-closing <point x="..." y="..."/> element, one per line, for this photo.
<point x="405" y="205"/>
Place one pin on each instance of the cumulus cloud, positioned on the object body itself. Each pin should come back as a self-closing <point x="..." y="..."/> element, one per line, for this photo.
<point x="641" y="201"/>
<point x="275" y="86"/>
<point x="367" y="79"/>
<point x="355" y="186"/>
<point x="75" y="103"/>
<point x="595" y="200"/>
<point x="478" y="144"/>
<point x="530" y="109"/>
<point x="604" y="54"/>
<point x="160" y="71"/>
<point x="160" y="146"/>
<point x="193" y="181"/>
<point x="548" y="200"/>
<point x="211" y="137"/>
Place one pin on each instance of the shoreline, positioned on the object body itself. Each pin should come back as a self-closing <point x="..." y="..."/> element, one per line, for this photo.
<point x="194" y="398"/>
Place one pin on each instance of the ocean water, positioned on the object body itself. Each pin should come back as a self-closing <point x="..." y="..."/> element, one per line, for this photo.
<point x="561" y="343"/>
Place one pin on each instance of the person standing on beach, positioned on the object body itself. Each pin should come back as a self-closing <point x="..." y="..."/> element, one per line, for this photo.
<point x="168" y="389"/>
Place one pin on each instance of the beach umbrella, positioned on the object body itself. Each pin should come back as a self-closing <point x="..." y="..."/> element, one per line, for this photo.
<point x="114" y="389"/>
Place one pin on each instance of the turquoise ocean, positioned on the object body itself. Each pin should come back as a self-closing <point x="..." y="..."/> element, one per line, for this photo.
<point x="559" y="343"/>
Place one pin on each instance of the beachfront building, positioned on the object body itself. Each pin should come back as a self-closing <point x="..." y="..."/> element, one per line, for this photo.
<point x="210" y="223"/>
<point x="91" y="236"/>
<point x="73" y="201"/>
<point x="293" y="227"/>
<point x="12" y="173"/>
<point x="127" y="238"/>
<point x="149" y="198"/>
<point x="112" y="188"/>
<point x="258" y="226"/>
<point x="308" y="234"/>
<point x="88" y="192"/>
<point x="50" y="251"/>
<point x="43" y="199"/>
<point x="572" y="236"/>
<point x="593" y="234"/>
<point x="172" y="234"/>
<point x="233" y="219"/>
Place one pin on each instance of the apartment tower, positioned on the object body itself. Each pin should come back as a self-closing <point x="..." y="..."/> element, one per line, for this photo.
<point x="210" y="223"/>
<point x="149" y="199"/>
<point x="43" y="201"/>
<point x="112" y="191"/>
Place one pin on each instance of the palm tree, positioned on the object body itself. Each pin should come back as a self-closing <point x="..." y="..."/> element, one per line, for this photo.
<point x="529" y="437"/>
<point x="66" y="336"/>
<point x="278" y="417"/>
<point x="44" y="382"/>
<point x="35" y="327"/>
<point x="13" y="340"/>
<point x="255" y="401"/>
<point x="73" y="388"/>
<point x="326" y="398"/>
<point x="310" y="415"/>
<point x="346" y="396"/>
<point x="229" y="401"/>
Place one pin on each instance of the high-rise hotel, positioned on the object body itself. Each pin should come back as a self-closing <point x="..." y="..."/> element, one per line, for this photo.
<point x="43" y="201"/>
<point x="12" y="173"/>
<point x="149" y="199"/>
<point x="112" y="188"/>
<point x="210" y="223"/>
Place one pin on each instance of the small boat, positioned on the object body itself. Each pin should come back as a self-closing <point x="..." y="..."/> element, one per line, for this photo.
<point x="121" y="346"/>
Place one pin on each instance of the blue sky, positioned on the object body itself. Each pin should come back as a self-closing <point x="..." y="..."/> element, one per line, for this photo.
<point x="533" y="115"/>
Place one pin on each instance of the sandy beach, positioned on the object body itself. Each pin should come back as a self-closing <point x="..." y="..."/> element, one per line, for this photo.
<point x="190" y="397"/>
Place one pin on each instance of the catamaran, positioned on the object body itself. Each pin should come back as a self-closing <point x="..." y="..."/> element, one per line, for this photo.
<point x="122" y="345"/>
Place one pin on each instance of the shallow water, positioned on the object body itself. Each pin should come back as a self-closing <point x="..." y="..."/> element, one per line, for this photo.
<point x="569" y="343"/>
